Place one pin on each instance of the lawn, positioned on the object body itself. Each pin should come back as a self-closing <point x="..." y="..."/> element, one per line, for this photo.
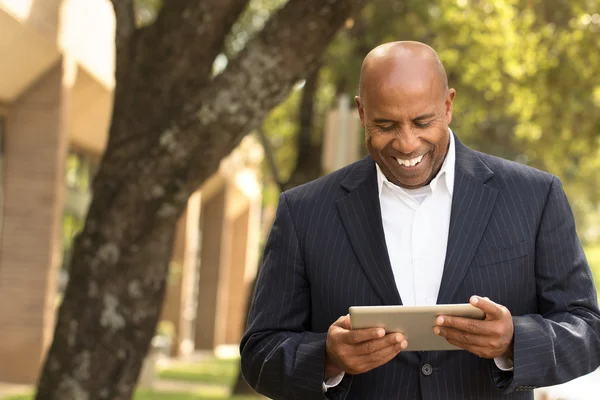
<point x="153" y="395"/>
<point x="214" y="371"/>
<point x="217" y="374"/>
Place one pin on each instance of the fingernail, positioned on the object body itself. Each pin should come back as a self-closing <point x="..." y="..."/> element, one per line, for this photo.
<point x="440" y="320"/>
<point x="436" y="330"/>
<point x="399" y="338"/>
<point x="474" y="300"/>
<point x="404" y="344"/>
<point x="380" y="333"/>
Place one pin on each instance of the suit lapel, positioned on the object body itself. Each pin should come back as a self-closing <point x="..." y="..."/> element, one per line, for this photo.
<point x="361" y="215"/>
<point x="472" y="204"/>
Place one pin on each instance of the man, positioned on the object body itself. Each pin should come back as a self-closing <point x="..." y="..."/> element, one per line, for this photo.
<point x="422" y="220"/>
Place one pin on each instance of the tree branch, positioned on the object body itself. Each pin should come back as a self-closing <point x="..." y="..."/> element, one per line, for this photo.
<point x="184" y="148"/>
<point x="189" y="34"/>
<point x="125" y="21"/>
<point x="288" y="48"/>
<point x="172" y="59"/>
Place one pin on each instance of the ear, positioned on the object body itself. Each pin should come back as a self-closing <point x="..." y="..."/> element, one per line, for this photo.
<point x="450" y="105"/>
<point x="361" y="111"/>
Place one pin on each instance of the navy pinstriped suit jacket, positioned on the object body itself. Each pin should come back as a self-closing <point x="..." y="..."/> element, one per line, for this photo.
<point x="512" y="238"/>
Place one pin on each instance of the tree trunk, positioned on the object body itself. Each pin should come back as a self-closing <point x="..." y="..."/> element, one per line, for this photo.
<point x="308" y="163"/>
<point x="171" y="126"/>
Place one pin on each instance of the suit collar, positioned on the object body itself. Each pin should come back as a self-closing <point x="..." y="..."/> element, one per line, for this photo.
<point x="362" y="173"/>
<point x="360" y="213"/>
<point x="472" y="204"/>
<point x="469" y="162"/>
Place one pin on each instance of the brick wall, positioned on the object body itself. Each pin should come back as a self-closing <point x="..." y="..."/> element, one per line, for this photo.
<point x="30" y="248"/>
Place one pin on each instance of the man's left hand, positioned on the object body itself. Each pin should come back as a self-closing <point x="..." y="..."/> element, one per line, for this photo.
<point x="489" y="338"/>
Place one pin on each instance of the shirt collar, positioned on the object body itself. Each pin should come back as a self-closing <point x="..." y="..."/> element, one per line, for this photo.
<point x="447" y="170"/>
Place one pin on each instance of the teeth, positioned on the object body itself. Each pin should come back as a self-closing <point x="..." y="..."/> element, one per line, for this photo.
<point x="410" y="163"/>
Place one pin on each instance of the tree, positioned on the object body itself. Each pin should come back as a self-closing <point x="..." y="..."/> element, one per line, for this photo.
<point x="172" y="123"/>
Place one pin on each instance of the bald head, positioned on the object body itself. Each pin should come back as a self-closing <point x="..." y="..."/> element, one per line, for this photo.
<point x="405" y="107"/>
<point x="402" y="63"/>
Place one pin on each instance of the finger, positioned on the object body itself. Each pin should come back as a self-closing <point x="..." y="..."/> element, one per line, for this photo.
<point x="479" y="351"/>
<point x="374" y="345"/>
<point x="346" y="322"/>
<point x="465" y="338"/>
<point x="380" y="357"/>
<point x="468" y="325"/>
<point x="356" y="336"/>
<point x="491" y="309"/>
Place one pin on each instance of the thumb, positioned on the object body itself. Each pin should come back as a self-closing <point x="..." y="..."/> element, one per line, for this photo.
<point x="347" y="322"/>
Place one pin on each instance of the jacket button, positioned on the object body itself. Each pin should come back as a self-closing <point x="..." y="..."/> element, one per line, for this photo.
<point x="426" y="369"/>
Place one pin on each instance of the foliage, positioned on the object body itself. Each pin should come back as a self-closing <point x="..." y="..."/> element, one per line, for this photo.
<point x="592" y="253"/>
<point x="524" y="71"/>
<point x="79" y="170"/>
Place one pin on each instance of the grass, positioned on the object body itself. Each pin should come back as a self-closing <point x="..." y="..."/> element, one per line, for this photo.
<point x="151" y="395"/>
<point x="155" y="395"/>
<point x="213" y="372"/>
<point x="218" y="373"/>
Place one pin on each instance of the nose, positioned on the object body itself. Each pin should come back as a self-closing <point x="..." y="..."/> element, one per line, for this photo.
<point x="406" y="142"/>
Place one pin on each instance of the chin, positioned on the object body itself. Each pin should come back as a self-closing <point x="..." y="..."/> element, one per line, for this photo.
<point x="410" y="182"/>
<point x="412" y="185"/>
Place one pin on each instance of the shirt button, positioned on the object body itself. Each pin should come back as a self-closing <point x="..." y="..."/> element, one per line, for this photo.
<point x="426" y="369"/>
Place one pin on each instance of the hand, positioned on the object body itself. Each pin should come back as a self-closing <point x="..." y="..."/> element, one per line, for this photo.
<point x="356" y="351"/>
<point x="490" y="338"/>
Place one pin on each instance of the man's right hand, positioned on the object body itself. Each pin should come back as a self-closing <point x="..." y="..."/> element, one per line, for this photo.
<point x="356" y="351"/>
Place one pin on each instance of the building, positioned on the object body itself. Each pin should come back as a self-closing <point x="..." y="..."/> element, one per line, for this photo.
<point x="56" y="83"/>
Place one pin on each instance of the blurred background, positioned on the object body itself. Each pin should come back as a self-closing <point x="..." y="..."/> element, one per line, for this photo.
<point x="526" y="75"/>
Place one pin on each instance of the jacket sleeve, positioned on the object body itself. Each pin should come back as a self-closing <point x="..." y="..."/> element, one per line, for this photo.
<point x="280" y="357"/>
<point x="562" y="342"/>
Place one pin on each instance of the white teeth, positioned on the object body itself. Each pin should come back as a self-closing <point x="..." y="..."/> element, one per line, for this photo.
<point x="410" y="163"/>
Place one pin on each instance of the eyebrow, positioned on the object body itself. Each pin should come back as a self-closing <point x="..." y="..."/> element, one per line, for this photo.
<point x="383" y="121"/>
<point x="424" y="116"/>
<point x="419" y="118"/>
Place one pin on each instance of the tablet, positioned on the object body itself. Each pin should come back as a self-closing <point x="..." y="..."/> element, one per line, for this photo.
<point x="415" y="322"/>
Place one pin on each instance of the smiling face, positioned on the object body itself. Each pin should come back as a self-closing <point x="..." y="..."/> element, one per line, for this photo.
<point x="405" y="108"/>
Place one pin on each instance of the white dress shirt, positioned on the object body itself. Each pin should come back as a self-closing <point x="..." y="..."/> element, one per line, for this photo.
<point x="416" y="224"/>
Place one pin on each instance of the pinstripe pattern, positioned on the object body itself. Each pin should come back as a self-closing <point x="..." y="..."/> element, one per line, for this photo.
<point x="512" y="238"/>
